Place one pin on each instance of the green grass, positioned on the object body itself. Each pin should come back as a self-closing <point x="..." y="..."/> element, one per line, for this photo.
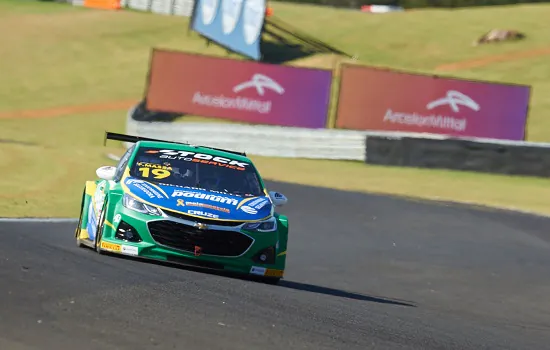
<point x="58" y="55"/>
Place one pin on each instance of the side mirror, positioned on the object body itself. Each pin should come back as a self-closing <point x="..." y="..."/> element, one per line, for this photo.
<point x="278" y="199"/>
<point x="106" y="172"/>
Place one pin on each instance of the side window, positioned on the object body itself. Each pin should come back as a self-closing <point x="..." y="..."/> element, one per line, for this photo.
<point x="122" y="163"/>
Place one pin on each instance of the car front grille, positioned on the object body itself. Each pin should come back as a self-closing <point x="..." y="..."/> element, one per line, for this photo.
<point x="211" y="242"/>
<point x="175" y="214"/>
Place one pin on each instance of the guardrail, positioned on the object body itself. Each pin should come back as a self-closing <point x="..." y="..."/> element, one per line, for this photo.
<point x="379" y="148"/>
<point x="271" y="141"/>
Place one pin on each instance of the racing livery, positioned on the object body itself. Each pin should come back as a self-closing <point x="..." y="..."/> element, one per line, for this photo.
<point x="186" y="204"/>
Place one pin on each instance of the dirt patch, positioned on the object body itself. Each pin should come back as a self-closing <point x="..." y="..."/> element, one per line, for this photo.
<point x="484" y="61"/>
<point x="68" y="110"/>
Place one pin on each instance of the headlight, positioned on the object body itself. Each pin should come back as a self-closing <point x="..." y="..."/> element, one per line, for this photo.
<point x="268" y="225"/>
<point x="132" y="203"/>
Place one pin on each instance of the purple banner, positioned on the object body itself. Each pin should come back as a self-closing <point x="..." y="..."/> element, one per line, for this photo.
<point x="250" y="92"/>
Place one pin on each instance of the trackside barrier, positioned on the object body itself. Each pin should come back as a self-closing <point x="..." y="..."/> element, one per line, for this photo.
<point x="259" y="140"/>
<point x="182" y="8"/>
<point x="377" y="148"/>
<point x="511" y="158"/>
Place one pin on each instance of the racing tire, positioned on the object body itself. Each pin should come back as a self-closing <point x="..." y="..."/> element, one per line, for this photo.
<point x="271" y="280"/>
<point x="79" y="243"/>
<point x="99" y="230"/>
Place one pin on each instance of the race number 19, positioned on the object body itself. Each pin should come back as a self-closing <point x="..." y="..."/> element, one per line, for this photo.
<point x="157" y="173"/>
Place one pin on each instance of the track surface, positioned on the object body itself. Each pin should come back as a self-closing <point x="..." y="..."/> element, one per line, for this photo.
<point x="364" y="272"/>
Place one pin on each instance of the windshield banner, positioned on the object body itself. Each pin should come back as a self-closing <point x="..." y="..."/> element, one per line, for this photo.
<point x="386" y="100"/>
<point x="241" y="91"/>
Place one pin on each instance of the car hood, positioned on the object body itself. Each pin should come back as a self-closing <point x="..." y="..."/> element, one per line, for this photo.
<point x="198" y="202"/>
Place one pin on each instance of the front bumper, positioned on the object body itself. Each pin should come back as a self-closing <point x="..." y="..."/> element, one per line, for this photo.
<point x="175" y="240"/>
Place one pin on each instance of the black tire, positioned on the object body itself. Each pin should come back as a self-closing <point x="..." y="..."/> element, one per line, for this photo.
<point x="271" y="280"/>
<point x="99" y="230"/>
<point x="78" y="227"/>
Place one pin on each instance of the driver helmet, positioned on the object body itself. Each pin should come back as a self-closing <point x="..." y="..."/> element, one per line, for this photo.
<point x="182" y="173"/>
<point x="212" y="179"/>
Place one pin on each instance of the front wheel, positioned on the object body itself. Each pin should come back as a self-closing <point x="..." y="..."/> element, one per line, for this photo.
<point x="99" y="230"/>
<point x="78" y="229"/>
<point x="271" y="280"/>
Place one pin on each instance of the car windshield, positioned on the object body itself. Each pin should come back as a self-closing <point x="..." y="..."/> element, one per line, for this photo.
<point x="199" y="170"/>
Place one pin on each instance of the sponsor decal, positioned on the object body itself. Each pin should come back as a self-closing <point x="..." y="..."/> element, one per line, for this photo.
<point x="204" y="205"/>
<point x="156" y="170"/>
<point x="259" y="83"/>
<point x="99" y="197"/>
<point x="198" y="250"/>
<point x="255" y="93"/>
<point x="249" y="210"/>
<point x="253" y="19"/>
<point x="200" y="226"/>
<point x="110" y="246"/>
<point x="258" y="203"/>
<point x="431" y="121"/>
<point x="273" y="273"/>
<point x="200" y="158"/>
<point x="146" y="188"/>
<point x="203" y="213"/>
<point x="200" y="189"/>
<point x="209" y="197"/>
<point x="260" y="271"/>
<point x="231" y="12"/>
<point x="233" y="24"/>
<point x="453" y="99"/>
<point x="128" y="249"/>
<point x="117" y="218"/>
<point x="153" y="165"/>
<point x="420" y="103"/>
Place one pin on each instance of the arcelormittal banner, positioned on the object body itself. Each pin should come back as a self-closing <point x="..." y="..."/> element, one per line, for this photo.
<point x="243" y="91"/>
<point x="386" y="100"/>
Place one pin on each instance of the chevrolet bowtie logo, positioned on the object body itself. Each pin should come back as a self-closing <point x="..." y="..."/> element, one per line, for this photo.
<point x="201" y="226"/>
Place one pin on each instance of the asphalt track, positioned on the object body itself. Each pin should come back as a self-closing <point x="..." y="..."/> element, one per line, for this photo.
<point x="364" y="272"/>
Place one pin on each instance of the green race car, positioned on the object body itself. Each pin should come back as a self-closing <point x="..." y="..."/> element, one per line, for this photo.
<point x="186" y="204"/>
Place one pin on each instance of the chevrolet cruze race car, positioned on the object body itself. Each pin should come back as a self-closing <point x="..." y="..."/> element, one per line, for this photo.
<point x="186" y="204"/>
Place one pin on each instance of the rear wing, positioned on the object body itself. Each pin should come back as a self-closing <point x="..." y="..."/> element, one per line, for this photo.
<point x="133" y="139"/>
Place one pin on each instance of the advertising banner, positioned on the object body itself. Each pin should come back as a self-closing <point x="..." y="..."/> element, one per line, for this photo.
<point x="385" y="100"/>
<point x="245" y="91"/>
<point x="234" y="24"/>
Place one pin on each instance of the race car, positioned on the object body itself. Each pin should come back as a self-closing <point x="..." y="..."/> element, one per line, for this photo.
<point x="185" y="204"/>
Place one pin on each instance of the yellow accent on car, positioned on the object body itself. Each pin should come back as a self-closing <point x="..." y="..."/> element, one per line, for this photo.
<point x="274" y="273"/>
<point x="90" y="188"/>
<point x="84" y="234"/>
<point x="110" y="246"/>
<point x="244" y="201"/>
<point x="109" y="224"/>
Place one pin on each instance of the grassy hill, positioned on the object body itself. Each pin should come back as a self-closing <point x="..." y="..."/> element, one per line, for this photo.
<point x="55" y="55"/>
